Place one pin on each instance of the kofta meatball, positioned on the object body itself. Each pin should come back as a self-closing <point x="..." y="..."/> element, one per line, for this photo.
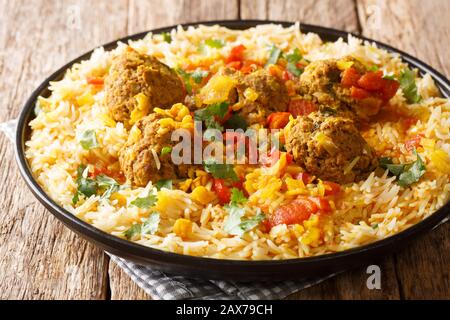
<point x="259" y="95"/>
<point x="330" y="147"/>
<point x="132" y="73"/>
<point x="141" y="159"/>
<point x="321" y="80"/>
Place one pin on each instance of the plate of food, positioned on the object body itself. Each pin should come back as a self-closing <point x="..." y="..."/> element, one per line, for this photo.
<point x="241" y="149"/>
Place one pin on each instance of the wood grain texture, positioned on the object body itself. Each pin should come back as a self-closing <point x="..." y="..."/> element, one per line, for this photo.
<point x="42" y="259"/>
<point x="421" y="28"/>
<point x="339" y="14"/>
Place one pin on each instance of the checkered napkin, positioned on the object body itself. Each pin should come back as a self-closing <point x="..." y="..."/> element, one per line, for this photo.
<point x="162" y="286"/>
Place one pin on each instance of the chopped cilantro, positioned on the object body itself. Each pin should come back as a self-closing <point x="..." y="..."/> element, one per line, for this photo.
<point x="167" y="37"/>
<point x="237" y="196"/>
<point x="210" y="113"/>
<point x="220" y="170"/>
<point x="163" y="183"/>
<point x="292" y="60"/>
<point x="215" y="43"/>
<point x="199" y="75"/>
<point x="133" y="231"/>
<point x="88" y="139"/>
<point x="166" y="150"/>
<point x="234" y="224"/>
<point x="236" y="122"/>
<point x="145" y="202"/>
<point x="150" y="226"/>
<point x="407" y="173"/>
<point x="274" y="55"/>
<point x="408" y="85"/>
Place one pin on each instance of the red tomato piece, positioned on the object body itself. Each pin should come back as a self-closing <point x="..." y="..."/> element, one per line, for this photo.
<point x="249" y="66"/>
<point x="278" y="120"/>
<point x="235" y="65"/>
<point x="305" y="177"/>
<point x="409" y="122"/>
<point x="359" y="93"/>
<point x="414" y="142"/>
<point x="222" y="191"/>
<point x="236" y="54"/>
<point x="331" y="188"/>
<point x="350" y="77"/>
<point x="301" y="107"/>
<point x="95" y="80"/>
<point x="322" y="203"/>
<point x="295" y="212"/>
<point x="372" y="81"/>
<point x="389" y="89"/>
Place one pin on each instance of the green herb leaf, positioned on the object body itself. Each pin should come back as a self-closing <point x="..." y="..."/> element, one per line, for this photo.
<point x="166" y="150"/>
<point x="150" y="226"/>
<point x="407" y="173"/>
<point x="111" y="185"/>
<point x="233" y="221"/>
<point x="86" y="186"/>
<point x="215" y="43"/>
<point x="199" y="75"/>
<point x="373" y="68"/>
<point x="236" y="122"/>
<point x="252" y="222"/>
<point x="186" y="76"/>
<point x="237" y="196"/>
<point x="211" y="113"/>
<point x="88" y="139"/>
<point x="145" y="202"/>
<point x="389" y="77"/>
<point x="133" y="231"/>
<point x="408" y="85"/>
<point x="274" y="55"/>
<point x="167" y="37"/>
<point x="292" y="60"/>
<point x="163" y="183"/>
<point x="220" y="170"/>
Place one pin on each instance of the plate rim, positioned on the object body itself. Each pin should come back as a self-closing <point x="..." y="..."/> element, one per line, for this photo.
<point x="132" y="250"/>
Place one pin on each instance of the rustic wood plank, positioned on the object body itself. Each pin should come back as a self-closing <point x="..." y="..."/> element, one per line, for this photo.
<point x="339" y="14"/>
<point x="40" y="258"/>
<point x="145" y="15"/>
<point x="421" y="28"/>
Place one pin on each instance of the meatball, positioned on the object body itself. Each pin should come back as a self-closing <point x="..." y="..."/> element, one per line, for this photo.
<point x="330" y="147"/>
<point x="132" y="73"/>
<point x="271" y="96"/>
<point x="140" y="159"/>
<point x="321" y="80"/>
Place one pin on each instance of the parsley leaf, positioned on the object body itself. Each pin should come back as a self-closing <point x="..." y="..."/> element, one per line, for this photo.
<point x="237" y="196"/>
<point x="292" y="60"/>
<point x="133" y="231"/>
<point x="407" y="173"/>
<point x="274" y="55"/>
<point x="252" y="222"/>
<point x="166" y="150"/>
<point x="145" y="202"/>
<point x="199" y="75"/>
<point x="150" y="226"/>
<point x="408" y="85"/>
<point x="163" y="183"/>
<point x="215" y="43"/>
<point x="186" y="76"/>
<point x="220" y="170"/>
<point x="88" y="139"/>
<point x="389" y="77"/>
<point x="210" y="113"/>
<point x="234" y="224"/>
<point x="167" y="37"/>
<point x="86" y="186"/>
<point x="111" y="185"/>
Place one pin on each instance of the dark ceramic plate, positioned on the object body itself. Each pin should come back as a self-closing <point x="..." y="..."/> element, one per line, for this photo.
<point x="214" y="268"/>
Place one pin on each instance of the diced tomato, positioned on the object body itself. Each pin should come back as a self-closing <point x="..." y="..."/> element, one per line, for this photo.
<point x="322" y="203"/>
<point x="389" y="89"/>
<point x="95" y="80"/>
<point x="236" y="54"/>
<point x="297" y="211"/>
<point x="409" y="122"/>
<point x="305" y="177"/>
<point x="235" y="65"/>
<point x="331" y="188"/>
<point x="359" y="93"/>
<point x="286" y="75"/>
<point x="301" y="107"/>
<point x="278" y="120"/>
<point x="249" y="66"/>
<point x="222" y="191"/>
<point x="350" y="77"/>
<point x="372" y="81"/>
<point x="289" y="158"/>
<point x="414" y="142"/>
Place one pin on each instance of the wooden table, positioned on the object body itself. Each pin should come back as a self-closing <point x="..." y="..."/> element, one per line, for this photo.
<point x="42" y="259"/>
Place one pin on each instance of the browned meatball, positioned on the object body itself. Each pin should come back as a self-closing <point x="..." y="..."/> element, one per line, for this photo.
<point x="321" y="80"/>
<point x="330" y="148"/>
<point x="132" y="73"/>
<point x="272" y="96"/>
<point x="138" y="156"/>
